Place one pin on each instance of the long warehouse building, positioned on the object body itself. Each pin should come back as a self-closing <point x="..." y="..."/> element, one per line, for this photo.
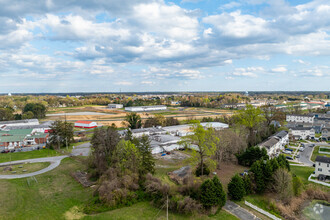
<point x="146" y="108"/>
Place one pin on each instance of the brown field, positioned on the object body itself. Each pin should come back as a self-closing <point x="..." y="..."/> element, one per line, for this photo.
<point x="117" y="116"/>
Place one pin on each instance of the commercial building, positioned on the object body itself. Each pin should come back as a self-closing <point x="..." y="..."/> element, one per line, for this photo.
<point x="7" y="124"/>
<point x="21" y="137"/>
<point x="85" y="124"/>
<point x="114" y="106"/>
<point x="322" y="167"/>
<point x="145" y="108"/>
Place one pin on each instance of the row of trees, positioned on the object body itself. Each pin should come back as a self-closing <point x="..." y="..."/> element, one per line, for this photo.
<point x="134" y="121"/>
<point x="266" y="175"/>
<point x="30" y="110"/>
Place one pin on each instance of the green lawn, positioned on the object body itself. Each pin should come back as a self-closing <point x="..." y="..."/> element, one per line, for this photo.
<point x="325" y="149"/>
<point x="302" y="172"/>
<point x="50" y="197"/>
<point x="144" y="210"/>
<point x="24" y="168"/>
<point x="28" y="155"/>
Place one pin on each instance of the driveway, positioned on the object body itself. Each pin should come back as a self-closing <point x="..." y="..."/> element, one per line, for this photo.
<point x="238" y="211"/>
<point x="306" y="155"/>
<point x="81" y="150"/>
<point x="54" y="162"/>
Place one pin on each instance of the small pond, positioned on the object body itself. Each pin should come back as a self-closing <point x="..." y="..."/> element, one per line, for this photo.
<point x="317" y="210"/>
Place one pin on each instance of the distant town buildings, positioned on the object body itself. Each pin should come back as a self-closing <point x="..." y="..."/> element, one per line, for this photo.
<point x="114" y="106"/>
<point x="145" y="108"/>
<point x="300" y="118"/>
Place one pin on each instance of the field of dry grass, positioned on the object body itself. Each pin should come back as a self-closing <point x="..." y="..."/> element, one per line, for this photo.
<point x="117" y="116"/>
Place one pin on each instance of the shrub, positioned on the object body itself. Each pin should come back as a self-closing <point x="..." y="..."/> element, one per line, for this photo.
<point x="297" y="185"/>
<point x="156" y="189"/>
<point x="206" y="170"/>
<point x="236" y="189"/>
<point x="189" y="206"/>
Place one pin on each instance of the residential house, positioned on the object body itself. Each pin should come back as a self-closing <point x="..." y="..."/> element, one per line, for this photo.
<point x="325" y="135"/>
<point x="322" y="167"/>
<point x="300" y="118"/>
<point x="302" y="133"/>
<point x="272" y="145"/>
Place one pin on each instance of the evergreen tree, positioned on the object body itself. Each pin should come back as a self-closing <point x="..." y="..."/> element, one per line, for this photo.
<point x="268" y="171"/>
<point x="147" y="160"/>
<point x="236" y="188"/>
<point x="208" y="194"/>
<point x="258" y="176"/>
<point x="219" y="192"/>
<point x="247" y="184"/>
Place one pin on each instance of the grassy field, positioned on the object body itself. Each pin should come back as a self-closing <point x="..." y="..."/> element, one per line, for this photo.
<point x="28" y="155"/>
<point x="54" y="194"/>
<point x="19" y="168"/>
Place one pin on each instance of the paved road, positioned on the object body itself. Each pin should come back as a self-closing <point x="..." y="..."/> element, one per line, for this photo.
<point x="238" y="211"/>
<point x="82" y="150"/>
<point x="54" y="162"/>
<point x="305" y="155"/>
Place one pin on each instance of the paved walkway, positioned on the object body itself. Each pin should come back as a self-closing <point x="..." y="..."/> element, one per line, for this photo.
<point x="80" y="150"/>
<point x="54" y="162"/>
<point x="239" y="212"/>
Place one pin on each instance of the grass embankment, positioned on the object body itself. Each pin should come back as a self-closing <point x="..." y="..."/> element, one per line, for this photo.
<point x="144" y="210"/>
<point x="28" y="155"/>
<point x="23" y="168"/>
<point x="316" y="153"/>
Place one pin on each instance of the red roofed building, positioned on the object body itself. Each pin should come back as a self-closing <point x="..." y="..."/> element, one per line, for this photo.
<point x="85" y="124"/>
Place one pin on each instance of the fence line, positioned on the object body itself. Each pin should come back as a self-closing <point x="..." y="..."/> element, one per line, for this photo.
<point x="262" y="211"/>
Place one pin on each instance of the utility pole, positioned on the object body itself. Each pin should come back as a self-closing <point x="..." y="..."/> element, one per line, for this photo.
<point x="167" y="207"/>
<point x="66" y="137"/>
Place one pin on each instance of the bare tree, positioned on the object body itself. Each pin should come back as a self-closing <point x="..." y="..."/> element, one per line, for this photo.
<point x="282" y="184"/>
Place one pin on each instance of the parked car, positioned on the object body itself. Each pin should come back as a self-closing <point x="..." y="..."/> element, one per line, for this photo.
<point x="289" y="158"/>
<point x="301" y="149"/>
<point x="288" y="149"/>
<point x="298" y="156"/>
<point x="4" y="151"/>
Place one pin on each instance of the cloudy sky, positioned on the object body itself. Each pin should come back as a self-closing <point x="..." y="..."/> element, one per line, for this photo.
<point x="160" y="45"/>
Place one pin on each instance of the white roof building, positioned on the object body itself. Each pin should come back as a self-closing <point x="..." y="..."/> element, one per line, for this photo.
<point x="146" y="108"/>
